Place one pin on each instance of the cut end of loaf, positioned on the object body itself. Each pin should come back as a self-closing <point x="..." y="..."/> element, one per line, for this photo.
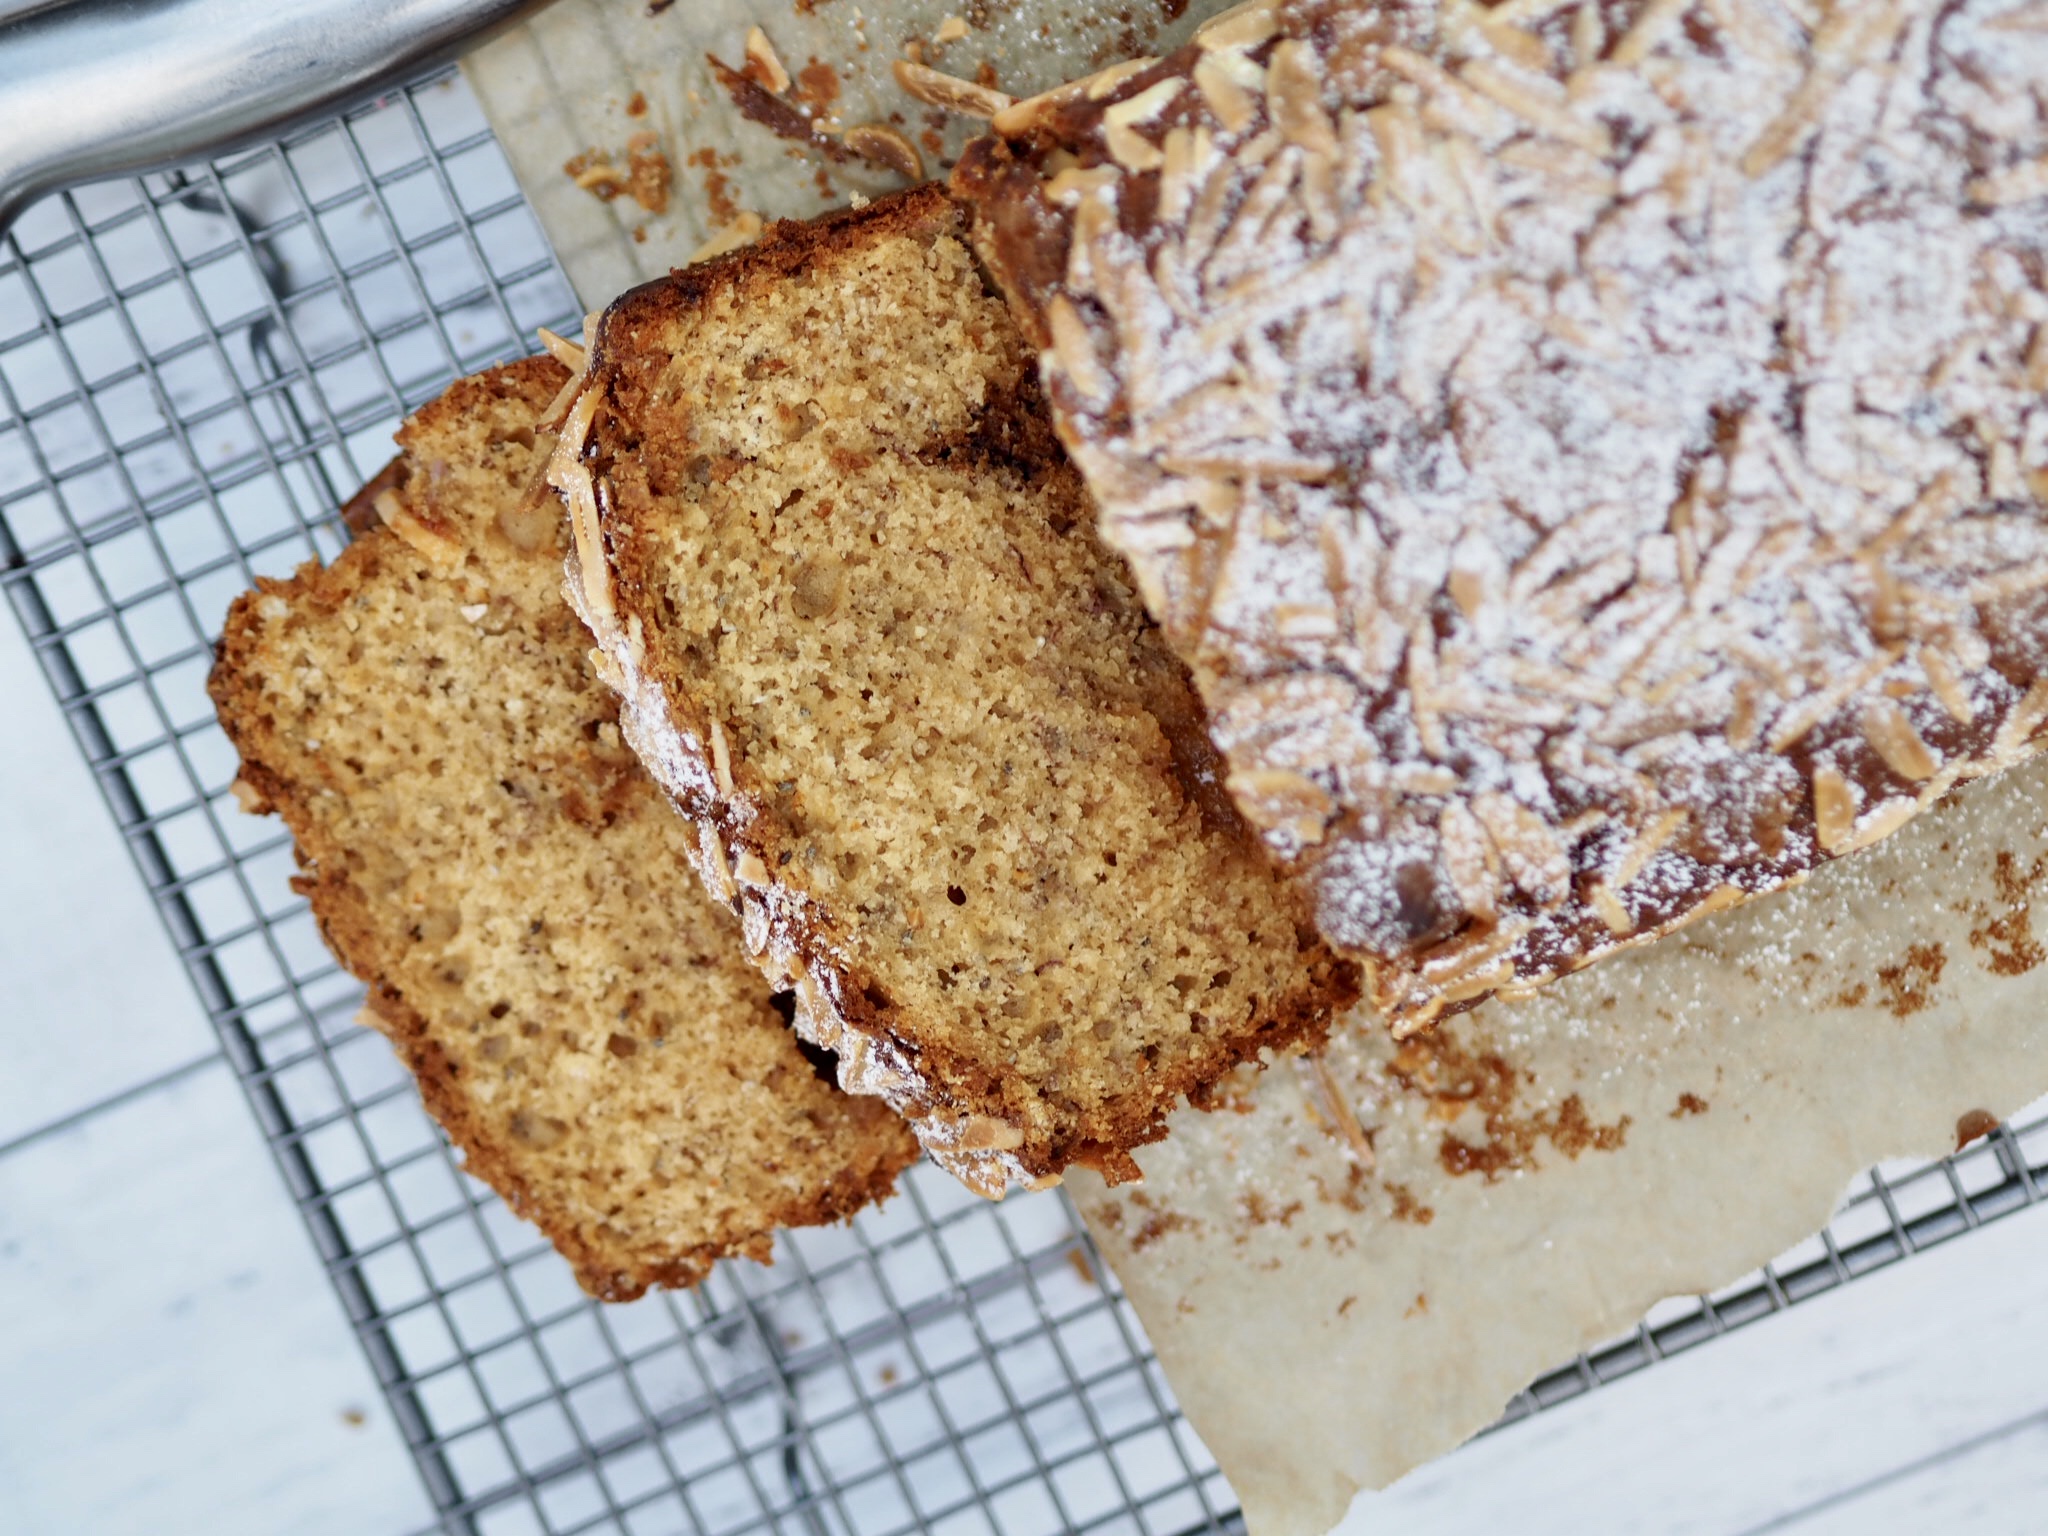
<point x="481" y="848"/>
<point x="959" y="791"/>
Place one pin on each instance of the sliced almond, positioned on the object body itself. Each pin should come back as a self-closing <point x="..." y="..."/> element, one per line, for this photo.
<point x="1834" y="809"/>
<point x="744" y="229"/>
<point x="1530" y="851"/>
<point x="879" y="144"/>
<point x="1469" y="860"/>
<point x="1294" y="95"/>
<point x="721" y="758"/>
<point x="1242" y="26"/>
<point x="1073" y="349"/>
<point x="1281" y="800"/>
<point x="1891" y="735"/>
<point x="2020" y="183"/>
<point x="761" y="53"/>
<point x="1610" y="908"/>
<point x="949" y="92"/>
<point x="563" y="350"/>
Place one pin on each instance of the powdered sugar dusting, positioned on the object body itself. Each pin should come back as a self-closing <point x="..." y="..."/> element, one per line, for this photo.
<point x="1596" y="465"/>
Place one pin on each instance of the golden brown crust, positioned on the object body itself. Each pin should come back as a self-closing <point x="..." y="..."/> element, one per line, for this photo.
<point x="979" y="1116"/>
<point x="621" y="1232"/>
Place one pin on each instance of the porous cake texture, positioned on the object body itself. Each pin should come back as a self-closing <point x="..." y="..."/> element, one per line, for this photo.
<point x="480" y="847"/>
<point x="955" y="784"/>
<point x="1593" y="456"/>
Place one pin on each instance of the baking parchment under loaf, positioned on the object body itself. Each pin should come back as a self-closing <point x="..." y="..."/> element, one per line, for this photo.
<point x="1655" y="1126"/>
<point x="562" y="85"/>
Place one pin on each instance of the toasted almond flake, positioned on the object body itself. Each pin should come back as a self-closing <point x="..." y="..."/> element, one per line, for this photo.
<point x="431" y="539"/>
<point x="1529" y="850"/>
<point x="1950" y="490"/>
<point x="1242" y="26"/>
<point x="1610" y="908"/>
<point x="744" y="229"/>
<point x="1834" y="808"/>
<point x="1473" y="111"/>
<point x="1721" y="898"/>
<point x="721" y="758"/>
<point x="1589" y="41"/>
<point x="985" y="1133"/>
<point x="1891" y="735"/>
<point x="1520" y="47"/>
<point x="1073" y="351"/>
<point x="750" y="869"/>
<point x="1233" y="106"/>
<point x="1187" y="154"/>
<point x="1946" y="686"/>
<point x="1881" y="821"/>
<point x="2019" y="727"/>
<point x="1020" y="117"/>
<point x="607" y="671"/>
<point x="551" y="417"/>
<point x="717" y="871"/>
<point x="1421" y="779"/>
<point x="949" y="92"/>
<point x="1745" y="721"/>
<point x="1294" y="95"/>
<point x="762" y="54"/>
<point x="1788" y="130"/>
<point x="1539" y="103"/>
<point x="1146" y="105"/>
<point x="2008" y="583"/>
<point x="1421" y="693"/>
<point x="951" y="30"/>
<point x="1131" y="149"/>
<point x="879" y="144"/>
<point x="1803" y="715"/>
<point x="2020" y="183"/>
<point x="1650" y="842"/>
<point x="1336" y="1107"/>
<point x="1755" y="36"/>
<point x="252" y="800"/>
<point x="1075" y="183"/>
<point x="1469" y="860"/>
<point x="568" y="474"/>
<point x="1104" y="81"/>
<point x="1523" y="13"/>
<point x="1478" y="984"/>
<point x="1398" y="136"/>
<point x="2003" y="481"/>
<point x="1281" y="800"/>
<point x="563" y="350"/>
<point x="1652" y="25"/>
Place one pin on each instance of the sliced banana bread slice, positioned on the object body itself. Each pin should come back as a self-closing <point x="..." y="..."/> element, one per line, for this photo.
<point x="958" y="788"/>
<point x="480" y="847"/>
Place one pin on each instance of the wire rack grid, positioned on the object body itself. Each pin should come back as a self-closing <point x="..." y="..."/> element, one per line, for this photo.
<point x="196" y="370"/>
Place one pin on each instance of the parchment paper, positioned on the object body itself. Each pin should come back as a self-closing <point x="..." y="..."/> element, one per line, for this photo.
<point x="1327" y="1328"/>
<point x="563" y="85"/>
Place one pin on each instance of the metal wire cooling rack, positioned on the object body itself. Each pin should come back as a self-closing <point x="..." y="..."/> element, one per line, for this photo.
<point x="195" y="371"/>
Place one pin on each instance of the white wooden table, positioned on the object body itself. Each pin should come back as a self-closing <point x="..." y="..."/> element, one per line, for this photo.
<point x="172" y="1358"/>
